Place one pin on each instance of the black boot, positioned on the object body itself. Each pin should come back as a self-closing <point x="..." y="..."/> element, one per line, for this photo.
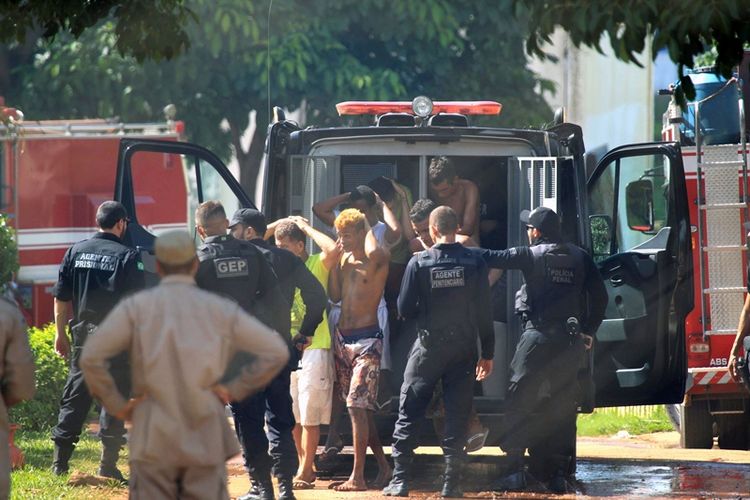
<point x="286" y="490"/>
<point x="558" y="482"/>
<point x="399" y="485"/>
<point x="261" y="488"/>
<point x="60" y="459"/>
<point x="108" y="463"/>
<point x="515" y="477"/>
<point x="452" y="480"/>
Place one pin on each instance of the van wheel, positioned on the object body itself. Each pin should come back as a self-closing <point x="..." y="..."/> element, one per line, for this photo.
<point x="732" y="432"/>
<point x="696" y="426"/>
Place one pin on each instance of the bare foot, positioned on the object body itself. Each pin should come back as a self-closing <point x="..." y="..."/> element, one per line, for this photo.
<point x="349" y="485"/>
<point x="384" y="477"/>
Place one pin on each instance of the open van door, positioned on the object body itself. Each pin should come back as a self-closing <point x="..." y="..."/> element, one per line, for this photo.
<point x="144" y="194"/>
<point x="640" y="239"/>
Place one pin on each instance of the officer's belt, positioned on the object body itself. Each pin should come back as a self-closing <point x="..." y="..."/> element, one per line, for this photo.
<point x="548" y="326"/>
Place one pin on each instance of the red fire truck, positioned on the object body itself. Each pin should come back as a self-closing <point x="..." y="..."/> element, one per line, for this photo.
<point x="712" y="133"/>
<point x="54" y="174"/>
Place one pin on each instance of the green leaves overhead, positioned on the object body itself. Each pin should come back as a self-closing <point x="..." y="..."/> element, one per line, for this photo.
<point x="314" y="54"/>
<point x="685" y="29"/>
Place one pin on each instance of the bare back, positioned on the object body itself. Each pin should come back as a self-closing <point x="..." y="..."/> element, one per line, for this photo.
<point x="362" y="283"/>
<point x="465" y="202"/>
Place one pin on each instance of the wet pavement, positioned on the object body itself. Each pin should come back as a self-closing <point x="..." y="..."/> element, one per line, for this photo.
<point x="597" y="478"/>
<point x="609" y="467"/>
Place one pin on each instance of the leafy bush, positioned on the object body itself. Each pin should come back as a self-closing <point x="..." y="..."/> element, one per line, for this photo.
<point x="40" y="414"/>
<point x="8" y="251"/>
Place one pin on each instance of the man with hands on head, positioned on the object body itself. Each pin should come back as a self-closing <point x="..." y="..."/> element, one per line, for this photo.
<point x="311" y="385"/>
<point x="181" y="340"/>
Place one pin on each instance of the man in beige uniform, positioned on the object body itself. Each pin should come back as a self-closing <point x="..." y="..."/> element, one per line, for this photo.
<point x="180" y="339"/>
<point x="16" y="378"/>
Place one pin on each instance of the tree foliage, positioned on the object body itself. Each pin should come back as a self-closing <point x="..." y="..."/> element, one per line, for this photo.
<point x="315" y="54"/>
<point x="8" y="252"/>
<point x="154" y="29"/>
<point x="685" y="29"/>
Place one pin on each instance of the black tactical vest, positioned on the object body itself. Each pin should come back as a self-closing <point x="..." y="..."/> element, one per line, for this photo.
<point x="553" y="291"/>
<point x="447" y="277"/>
<point x="229" y="267"/>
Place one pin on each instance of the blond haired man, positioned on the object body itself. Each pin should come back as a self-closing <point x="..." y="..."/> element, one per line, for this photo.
<point x="358" y="281"/>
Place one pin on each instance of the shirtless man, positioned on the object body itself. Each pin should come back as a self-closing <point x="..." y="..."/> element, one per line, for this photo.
<point x="358" y="281"/>
<point x="419" y="227"/>
<point x="461" y="195"/>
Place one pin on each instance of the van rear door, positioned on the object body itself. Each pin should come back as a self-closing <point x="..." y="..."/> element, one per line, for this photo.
<point x="641" y="240"/>
<point x="154" y="205"/>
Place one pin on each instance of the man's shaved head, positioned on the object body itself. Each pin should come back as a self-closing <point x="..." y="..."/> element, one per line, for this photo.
<point x="211" y="217"/>
<point x="445" y="220"/>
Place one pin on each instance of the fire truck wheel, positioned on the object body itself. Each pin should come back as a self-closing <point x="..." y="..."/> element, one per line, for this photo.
<point x="732" y="432"/>
<point x="696" y="426"/>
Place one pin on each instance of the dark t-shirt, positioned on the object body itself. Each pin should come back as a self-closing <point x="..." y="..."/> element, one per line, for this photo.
<point x="96" y="274"/>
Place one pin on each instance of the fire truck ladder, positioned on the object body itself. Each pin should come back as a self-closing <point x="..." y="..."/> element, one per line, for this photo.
<point x="721" y="212"/>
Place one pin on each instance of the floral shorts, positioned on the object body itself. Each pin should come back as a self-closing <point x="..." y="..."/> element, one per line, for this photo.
<point x="357" y="360"/>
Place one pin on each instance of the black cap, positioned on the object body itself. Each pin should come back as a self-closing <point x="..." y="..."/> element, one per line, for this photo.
<point x="544" y="219"/>
<point x="249" y="217"/>
<point x="110" y="213"/>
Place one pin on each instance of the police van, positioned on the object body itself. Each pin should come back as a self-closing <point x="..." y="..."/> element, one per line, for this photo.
<point x="630" y="212"/>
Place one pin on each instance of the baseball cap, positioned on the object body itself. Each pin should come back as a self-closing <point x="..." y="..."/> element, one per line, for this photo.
<point x="249" y="217"/>
<point x="544" y="219"/>
<point x="174" y="248"/>
<point x="110" y="213"/>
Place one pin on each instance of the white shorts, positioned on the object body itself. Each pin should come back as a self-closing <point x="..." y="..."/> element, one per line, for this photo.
<point x="312" y="388"/>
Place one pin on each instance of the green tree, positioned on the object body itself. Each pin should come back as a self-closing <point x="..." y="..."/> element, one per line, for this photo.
<point x="152" y="29"/>
<point x="316" y="54"/>
<point x="685" y="29"/>
<point x="8" y="252"/>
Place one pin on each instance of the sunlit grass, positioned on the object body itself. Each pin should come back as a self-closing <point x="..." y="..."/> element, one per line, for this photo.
<point x="604" y="423"/>
<point x="36" y="480"/>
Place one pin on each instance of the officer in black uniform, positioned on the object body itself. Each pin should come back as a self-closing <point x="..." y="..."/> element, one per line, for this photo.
<point x="562" y="299"/>
<point x="274" y="405"/>
<point x="238" y="270"/>
<point x="94" y="275"/>
<point x="447" y="288"/>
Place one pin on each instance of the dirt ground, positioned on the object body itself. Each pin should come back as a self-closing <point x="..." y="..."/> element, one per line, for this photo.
<point x="621" y="466"/>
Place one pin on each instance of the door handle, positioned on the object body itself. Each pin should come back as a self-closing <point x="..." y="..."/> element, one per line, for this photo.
<point x="616" y="280"/>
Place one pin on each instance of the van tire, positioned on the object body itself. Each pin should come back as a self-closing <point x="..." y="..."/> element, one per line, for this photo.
<point x="696" y="426"/>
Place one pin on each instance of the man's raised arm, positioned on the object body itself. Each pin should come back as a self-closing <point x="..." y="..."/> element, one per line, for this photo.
<point x="324" y="209"/>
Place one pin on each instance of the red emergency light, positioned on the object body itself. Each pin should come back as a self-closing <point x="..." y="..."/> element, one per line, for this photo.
<point x="381" y="107"/>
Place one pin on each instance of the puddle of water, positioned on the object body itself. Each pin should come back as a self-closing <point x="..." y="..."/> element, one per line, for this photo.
<point x="634" y="479"/>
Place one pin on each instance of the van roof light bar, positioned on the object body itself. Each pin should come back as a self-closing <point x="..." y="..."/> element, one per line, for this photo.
<point x="381" y="107"/>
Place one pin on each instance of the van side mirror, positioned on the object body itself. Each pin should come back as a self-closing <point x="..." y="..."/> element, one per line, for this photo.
<point x="601" y="235"/>
<point x="639" y="204"/>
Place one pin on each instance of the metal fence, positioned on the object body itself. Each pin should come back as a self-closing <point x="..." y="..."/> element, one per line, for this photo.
<point x="645" y="411"/>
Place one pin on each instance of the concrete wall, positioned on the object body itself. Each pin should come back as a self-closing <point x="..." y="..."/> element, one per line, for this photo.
<point x="613" y="101"/>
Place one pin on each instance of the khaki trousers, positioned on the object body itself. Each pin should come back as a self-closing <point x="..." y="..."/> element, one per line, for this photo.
<point x="155" y="481"/>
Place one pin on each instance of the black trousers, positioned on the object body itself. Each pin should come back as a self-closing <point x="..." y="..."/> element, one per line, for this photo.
<point x="452" y="362"/>
<point x="541" y="402"/>
<point x="76" y="401"/>
<point x="274" y="405"/>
